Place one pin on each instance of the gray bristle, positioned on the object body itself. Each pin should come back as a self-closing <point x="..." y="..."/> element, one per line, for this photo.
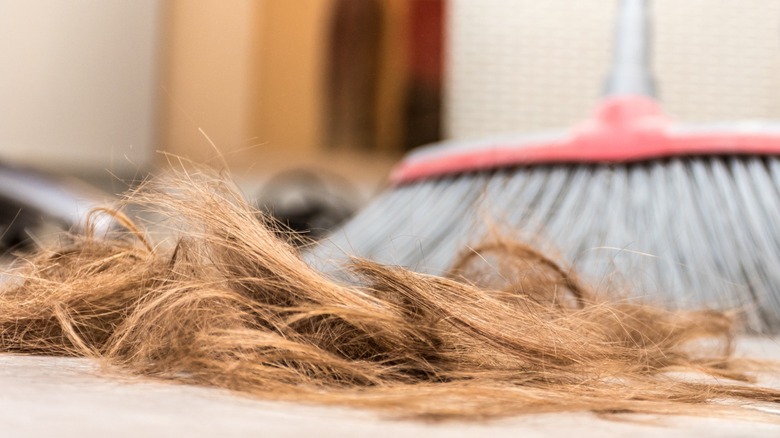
<point x="686" y="233"/>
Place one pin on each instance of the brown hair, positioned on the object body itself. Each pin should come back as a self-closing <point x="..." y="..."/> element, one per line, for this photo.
<point x="228" y="304"/>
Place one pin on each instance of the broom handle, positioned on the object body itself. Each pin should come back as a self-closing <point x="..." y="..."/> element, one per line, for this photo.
<point x="630" y="73"/>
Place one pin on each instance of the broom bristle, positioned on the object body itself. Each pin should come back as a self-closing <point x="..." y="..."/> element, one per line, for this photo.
<point x="228" y="304"/>
<point x="683" y="233"/>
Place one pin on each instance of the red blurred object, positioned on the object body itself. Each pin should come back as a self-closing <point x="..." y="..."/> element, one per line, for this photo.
<point x="427" y="40"/>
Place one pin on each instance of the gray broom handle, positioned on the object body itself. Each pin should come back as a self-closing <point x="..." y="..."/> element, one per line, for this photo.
<point x="630" y="73"/>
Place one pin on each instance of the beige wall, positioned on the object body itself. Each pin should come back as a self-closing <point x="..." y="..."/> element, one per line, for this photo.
<point x="288" y="106"/>
<point x="207" y="71"/>
<point x="78" y="84"/>
<point x="247" y="75"/>
<point x="530" y="65"/>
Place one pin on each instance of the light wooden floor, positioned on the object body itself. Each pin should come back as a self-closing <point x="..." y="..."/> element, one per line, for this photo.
<point x="44" y="396"/>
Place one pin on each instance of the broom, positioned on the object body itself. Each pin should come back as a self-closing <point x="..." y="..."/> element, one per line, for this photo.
<point x="687" y="215"/>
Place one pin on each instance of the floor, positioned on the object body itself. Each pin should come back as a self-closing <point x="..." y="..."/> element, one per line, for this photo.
<point x="66" y="397"/>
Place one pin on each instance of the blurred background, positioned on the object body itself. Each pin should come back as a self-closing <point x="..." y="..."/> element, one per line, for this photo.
<point x="331" y="93"/>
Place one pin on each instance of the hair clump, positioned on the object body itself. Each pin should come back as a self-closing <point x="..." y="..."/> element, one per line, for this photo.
<point x="229" y="304"/>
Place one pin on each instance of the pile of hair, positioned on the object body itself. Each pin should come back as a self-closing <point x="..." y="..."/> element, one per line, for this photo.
<point x="227" y="303"/>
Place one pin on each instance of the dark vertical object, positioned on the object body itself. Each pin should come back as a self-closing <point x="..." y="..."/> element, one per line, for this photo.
<point x="423" y="109"/>
<point x="356" y="32"/>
